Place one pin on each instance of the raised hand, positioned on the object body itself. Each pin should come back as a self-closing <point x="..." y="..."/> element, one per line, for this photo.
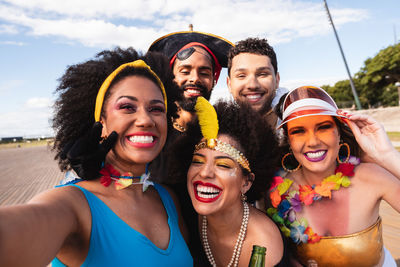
<point x="373" y="140"/>
<point x="87" y="154"/>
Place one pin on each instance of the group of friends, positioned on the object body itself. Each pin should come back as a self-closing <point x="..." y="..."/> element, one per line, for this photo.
<point x="157" y="176"/>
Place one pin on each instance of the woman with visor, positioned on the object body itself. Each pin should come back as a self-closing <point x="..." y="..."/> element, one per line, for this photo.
<point x="117" y="218"/>
<point x="326" y="201"/>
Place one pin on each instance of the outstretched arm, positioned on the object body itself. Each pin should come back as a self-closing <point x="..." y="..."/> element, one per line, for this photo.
<point x="31" y="234"/>
<point x="373" y="140"/>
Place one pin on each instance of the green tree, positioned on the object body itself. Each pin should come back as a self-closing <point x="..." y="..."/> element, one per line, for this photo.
<point x="342" y="94"/>
<point x="378" y="73"/>
<point x="374" y="82"/>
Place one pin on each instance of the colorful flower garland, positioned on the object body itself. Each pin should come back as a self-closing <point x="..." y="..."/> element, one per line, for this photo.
<point x="287" y="203"/>
<point x="110" y="174"/>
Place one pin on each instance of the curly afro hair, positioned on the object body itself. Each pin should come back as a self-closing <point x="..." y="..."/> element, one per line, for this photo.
<point x="257" y="140"/>
<point x="74" y="108"/>
<point x="253" y="46"/>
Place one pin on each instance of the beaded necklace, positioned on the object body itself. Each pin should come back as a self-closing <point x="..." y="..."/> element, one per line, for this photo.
<point x="287" y="203"/>
<point x="239" y="241"/>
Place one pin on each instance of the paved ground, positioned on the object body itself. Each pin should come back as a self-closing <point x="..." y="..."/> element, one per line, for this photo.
<point x="24" y="172"/>
<point x="389" y="117"/>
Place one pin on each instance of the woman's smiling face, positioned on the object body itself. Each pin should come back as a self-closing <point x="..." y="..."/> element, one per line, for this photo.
<point x="314" y="141"/>
<point x="135" y="109"/>
<point x="215" y="180"/>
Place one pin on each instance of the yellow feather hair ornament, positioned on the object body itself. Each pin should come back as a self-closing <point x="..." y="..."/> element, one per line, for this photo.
<point x="208" y="120"/>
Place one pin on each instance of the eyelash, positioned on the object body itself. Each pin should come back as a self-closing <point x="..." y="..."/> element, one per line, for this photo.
<point x="127" y="106"/>
<point x="321" y="127"/>
<point x="296" y="131"/>
<point x="130" y="107"/>
<point x="325" y="126"/>
<point x="158" y="109"/>
<point x="225" y="166"/>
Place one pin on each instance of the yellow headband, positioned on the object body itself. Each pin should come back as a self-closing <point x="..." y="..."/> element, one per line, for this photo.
<point x="208" y="121"/>
<point x="104" y="87"/>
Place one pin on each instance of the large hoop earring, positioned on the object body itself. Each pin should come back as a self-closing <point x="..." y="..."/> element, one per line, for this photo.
<point x="283" y="163"/>
<point x="348" y="153"/>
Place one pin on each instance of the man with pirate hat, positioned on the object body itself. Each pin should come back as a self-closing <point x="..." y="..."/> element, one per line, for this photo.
<point x="196" y="59"/>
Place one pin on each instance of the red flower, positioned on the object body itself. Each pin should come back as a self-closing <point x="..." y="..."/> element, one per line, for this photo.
<point x="347" y="169"/>
<point x="107" y="172"/>
<point x="277" y="180"/>
<point x="312" y="237"/>
<point x="306" y="194"/>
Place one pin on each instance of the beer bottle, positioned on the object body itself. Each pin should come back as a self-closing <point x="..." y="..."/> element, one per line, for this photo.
<point x="257" y="256"/>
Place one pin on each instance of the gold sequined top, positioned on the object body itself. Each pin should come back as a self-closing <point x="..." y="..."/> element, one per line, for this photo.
<point x="359" y="249"/>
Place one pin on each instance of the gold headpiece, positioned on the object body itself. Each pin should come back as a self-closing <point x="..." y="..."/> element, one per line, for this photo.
<point x="106" y="84"/>
<point x="208" y="121"/>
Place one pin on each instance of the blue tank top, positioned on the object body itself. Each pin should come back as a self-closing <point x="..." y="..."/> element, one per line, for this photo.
<point x="114" y="243"/>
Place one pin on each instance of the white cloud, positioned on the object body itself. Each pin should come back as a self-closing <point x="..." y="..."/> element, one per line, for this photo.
<point x="99" y="23"/>
<point x="292" y="84"/>
<point x="10" y="85"/>
<point x="8" y="29"/>
<point x="38" y="102"/>
<point x="12" y="43"/>
<point x="25" y="123"/>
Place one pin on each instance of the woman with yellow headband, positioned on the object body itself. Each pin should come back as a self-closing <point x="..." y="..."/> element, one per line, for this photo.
<point x="227" y="162"/>
<point x="117" y="217"/>
<point x="326" y="201"/>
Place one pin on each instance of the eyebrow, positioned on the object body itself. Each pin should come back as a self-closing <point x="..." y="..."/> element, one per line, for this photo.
<point x="154" y="101"/>
<point x="327" y="121"/>
<point x="217" y="157"/>
<point x="318" y="124"/>
<point x="188" y="66"/>
<point x="257" y="69"/>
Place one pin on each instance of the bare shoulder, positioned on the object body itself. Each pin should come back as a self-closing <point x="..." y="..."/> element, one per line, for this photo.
<point x="370" y="173"/>
<point x="66" y="200"/>
<point x="264" y="232"/>
<point x="60" y="196"/>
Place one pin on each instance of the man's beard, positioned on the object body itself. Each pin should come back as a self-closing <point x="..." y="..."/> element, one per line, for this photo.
<point x="266" y="106"/>
<point x="189" y="103"/>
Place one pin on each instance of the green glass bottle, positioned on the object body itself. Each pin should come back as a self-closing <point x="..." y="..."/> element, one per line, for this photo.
<point x="257" y="258"/>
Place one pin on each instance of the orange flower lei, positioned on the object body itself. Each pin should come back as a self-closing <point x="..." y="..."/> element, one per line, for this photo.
<point x="287" y="203"/>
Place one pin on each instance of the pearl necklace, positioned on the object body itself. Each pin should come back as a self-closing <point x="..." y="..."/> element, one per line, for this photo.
<point x="239" y="241"/>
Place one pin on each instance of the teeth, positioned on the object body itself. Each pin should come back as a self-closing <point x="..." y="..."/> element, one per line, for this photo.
<point x="314" y="155"/>
<point x="193" y="91"/>
<point x="141" y="139"/>
<point x="253" y="96"/>
<point x="207" y="191"/>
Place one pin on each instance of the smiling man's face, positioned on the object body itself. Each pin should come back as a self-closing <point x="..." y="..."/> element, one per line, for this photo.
<point x="252" y="79"/>
<point x="194" y="75"/>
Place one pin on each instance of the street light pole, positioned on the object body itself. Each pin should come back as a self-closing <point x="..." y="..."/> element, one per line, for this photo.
<point x="353" y="88"/>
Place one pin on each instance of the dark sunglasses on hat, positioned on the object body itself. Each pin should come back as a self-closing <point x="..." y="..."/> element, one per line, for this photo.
<point x="185" y="53"/>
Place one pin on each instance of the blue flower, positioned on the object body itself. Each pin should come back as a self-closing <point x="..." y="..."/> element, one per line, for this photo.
<point x="297" y="234"/>
<point x="283" y="207"/>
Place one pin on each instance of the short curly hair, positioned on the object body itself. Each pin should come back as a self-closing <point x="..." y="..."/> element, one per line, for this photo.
<point x="74" y="108"/>
<point x="244" y="125"/>
<point x="253" y="46"/>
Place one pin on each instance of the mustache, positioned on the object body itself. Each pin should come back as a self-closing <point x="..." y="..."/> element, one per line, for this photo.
<point x="196" y="86"/>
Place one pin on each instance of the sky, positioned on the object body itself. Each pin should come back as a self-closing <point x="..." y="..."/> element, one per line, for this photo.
<point x="40" y="38"/>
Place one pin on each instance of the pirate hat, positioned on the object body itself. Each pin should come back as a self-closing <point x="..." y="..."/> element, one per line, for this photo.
<point x="173" y="43"/>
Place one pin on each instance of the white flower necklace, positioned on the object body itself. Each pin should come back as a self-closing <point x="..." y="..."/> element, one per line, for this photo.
<point x="239" y="241"/>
